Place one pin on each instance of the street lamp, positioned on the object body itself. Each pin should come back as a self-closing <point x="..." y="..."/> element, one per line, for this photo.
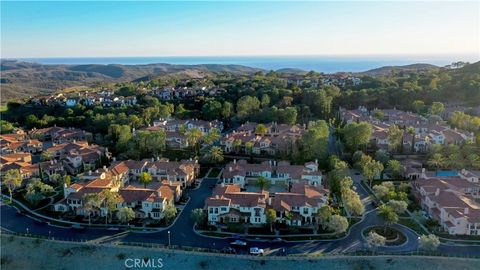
<point x="168" y="238"/>
<point x="27" y="230"/>
<point x="418" y="244"/>
<point x="49" y="233"/>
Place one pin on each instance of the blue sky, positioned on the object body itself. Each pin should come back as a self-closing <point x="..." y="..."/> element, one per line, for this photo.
<point x="95" y="29"/>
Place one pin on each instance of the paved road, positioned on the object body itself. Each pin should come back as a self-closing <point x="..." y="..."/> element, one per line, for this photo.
<point x="181" y="233"/>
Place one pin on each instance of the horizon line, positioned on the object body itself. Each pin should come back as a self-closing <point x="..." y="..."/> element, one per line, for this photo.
<point x="436" y="55"/>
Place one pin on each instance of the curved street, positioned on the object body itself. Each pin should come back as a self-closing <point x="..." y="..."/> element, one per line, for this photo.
<point x="182" y="233"/>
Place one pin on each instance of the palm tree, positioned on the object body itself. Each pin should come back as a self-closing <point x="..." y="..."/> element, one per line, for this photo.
<point x="236" y="145"/>
<point x="216" y="154"/>
<point x="436" y="161"/>
<point x="193" y="138"/>
<point x="411" y="132"/>
<point x="212" y="136"/>
<point x="388" y="214"/>
<point x="262" y="183"/>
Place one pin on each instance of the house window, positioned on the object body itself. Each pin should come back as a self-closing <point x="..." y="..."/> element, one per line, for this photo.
<point x="224" y="209"/>
<point x="210" y="210"/>
<point x="305" y="211"/>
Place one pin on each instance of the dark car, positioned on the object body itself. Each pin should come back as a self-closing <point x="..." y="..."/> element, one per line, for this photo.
<point x="374" y="204"/>
<point x="20" y="213"/>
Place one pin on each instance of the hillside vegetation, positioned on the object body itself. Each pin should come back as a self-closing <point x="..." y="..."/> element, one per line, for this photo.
<point x="22" y="79"/>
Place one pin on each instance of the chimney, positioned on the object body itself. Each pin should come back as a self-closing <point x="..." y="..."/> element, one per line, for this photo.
<point x="170" y="182"/>
<point x="466" y="211"/>
<point x="90" y="172"/>
<point x="114" y="159"/>
<point x="222" y="184"/>
<point x="437" y="192"/>
<point x="159" y="193"/>
<point x="234" y="161"/>
<point x="230" y="169"/>
<point x="104" y="167"/>
<point x="316" y="161"/>
<point x="217" y="197"/>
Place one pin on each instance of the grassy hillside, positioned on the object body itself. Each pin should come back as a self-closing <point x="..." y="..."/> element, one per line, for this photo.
<point x="22" y="79"/>
<point x="388" y="70"/>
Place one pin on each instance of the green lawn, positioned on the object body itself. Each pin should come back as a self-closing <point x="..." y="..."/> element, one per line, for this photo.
<point x="3" y="108"/>
<point x="412" y="225"/>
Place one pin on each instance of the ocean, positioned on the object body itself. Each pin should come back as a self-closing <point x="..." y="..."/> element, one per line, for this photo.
<point x="327" y="64"/>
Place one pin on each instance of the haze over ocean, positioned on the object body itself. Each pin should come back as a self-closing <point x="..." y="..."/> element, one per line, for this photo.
<point x="327" y="64"/>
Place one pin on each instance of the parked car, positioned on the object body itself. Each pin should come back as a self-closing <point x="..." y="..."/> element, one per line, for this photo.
<point x="256" y="251"/>
<point x="229" y="250"/>
<point x="239" y="243"/>
<point x="374" y="203"/>
<point x="277" y="240"/>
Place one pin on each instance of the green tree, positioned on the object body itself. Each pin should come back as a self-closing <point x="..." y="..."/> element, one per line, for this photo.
<point x="194" y="135"/>
<point x="437" y="108"/>
<point x="382" y="156"/>
<point x="91" y="202"/>
<point x="395" y="137"/>
<point x="246" y="106"/>
<point x="380" y="191"/>
<point x="215" y="154"/>
<point x="395" y="168"/>
<point x="428" y="242"/>
<point x="261" y="129"/>
<point x="436" y="161"/>
<point x="418" y="106"/>
<point x="337" y="224"/>
<point x="12" y="180"/>
<point x="323" y="215"/>
<point x="314" y="142"/>
<point x="265" y="101"/>
<point x="46" y="155"/>
<point x="372" y="169"/>
<point x="227" y="110"/>
<point x="125" y="214"/>
<point x="375" y="240"/>
<point x="388" y="215"/>
<point x="411" y="132"/>
<point x="6" y="127"/>
<point x="212" y="136"/>
<point x="145" y="178"/>
<point x="398" y="207"/>
<point x="110" y="202"/>
<point x="262" y="183"/>
<point x="169" y="212"/>
<point x="198" y="216"/>
<point x="36" y="191"/>
<point x="357" y="134"/>
<point x="271" y="217"/>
